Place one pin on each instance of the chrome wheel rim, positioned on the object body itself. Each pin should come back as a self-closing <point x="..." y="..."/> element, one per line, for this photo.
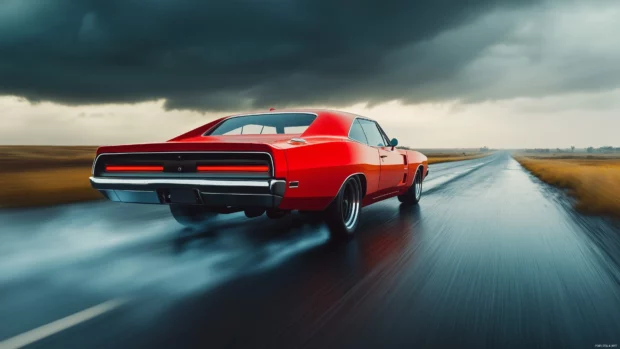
<point x="350" y="204"/>
<point x="418" y="186"/>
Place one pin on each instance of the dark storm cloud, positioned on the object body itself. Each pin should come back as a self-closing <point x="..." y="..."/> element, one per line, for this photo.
<point x="238" y="54"/>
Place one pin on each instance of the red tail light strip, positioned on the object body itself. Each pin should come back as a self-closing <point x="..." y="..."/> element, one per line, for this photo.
<point x="253" y="168"/>
<point x="109" y="168"/>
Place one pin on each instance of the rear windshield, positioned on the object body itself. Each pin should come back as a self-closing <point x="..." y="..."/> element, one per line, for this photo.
<point x="281" y="123"/>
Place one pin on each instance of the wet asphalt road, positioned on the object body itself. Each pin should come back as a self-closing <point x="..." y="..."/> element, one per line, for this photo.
<point x="491" y="258"/>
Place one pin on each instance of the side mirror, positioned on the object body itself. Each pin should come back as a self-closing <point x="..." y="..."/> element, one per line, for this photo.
<point x="394" y="142"/>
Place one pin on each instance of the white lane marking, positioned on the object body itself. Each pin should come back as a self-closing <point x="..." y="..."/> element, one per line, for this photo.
<point x="44" y="331"/>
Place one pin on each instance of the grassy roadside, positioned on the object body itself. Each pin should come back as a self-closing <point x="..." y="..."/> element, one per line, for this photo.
<point x="451" y="154"/>
<point x="593" y="182"/>
<point x="447" y="157"/>
<point x="44" y="175"/>
<point x="46" y="187"/>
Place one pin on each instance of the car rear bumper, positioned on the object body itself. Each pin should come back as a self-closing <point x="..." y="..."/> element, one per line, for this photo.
<point x="266" y="193"/>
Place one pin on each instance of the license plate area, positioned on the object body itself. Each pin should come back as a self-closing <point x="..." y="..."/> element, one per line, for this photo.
<point x="180" y="196"/>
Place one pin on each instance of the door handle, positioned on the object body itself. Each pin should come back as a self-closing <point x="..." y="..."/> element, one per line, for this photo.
<point x="383" y="156"/>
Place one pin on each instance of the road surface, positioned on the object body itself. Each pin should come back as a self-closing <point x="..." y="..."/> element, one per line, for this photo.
<point x="491" y="258"/>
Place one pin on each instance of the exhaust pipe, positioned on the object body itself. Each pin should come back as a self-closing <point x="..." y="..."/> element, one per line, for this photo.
<point x="275" y="213"/>
<point x="254" y="212"/>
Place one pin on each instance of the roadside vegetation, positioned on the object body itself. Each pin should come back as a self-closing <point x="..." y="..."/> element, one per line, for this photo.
<point x="448" y="155"/>
<point x="592" y="178"/>
<point x="51" y="175"/>
<point x="42" y="176"/>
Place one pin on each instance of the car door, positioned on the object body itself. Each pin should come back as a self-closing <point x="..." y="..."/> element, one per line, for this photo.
<point x="368" y="156"/>
<point x="397" y="162"/>
<point x="392" y="162"/>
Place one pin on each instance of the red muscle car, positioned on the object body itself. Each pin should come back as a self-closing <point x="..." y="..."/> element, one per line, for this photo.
<point x="273" y="162"/>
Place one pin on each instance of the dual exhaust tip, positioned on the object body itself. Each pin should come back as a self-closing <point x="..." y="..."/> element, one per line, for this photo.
<point x="271" y="213"/>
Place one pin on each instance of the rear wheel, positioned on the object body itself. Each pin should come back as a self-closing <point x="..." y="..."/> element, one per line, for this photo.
<point x="414" y="193"/>
<point x="191" y="215"/>
<point x="343" y="214"/>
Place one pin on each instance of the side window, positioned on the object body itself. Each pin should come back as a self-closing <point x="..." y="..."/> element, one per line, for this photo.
<point x="373" y="135"/>
<point x="385" y="137"/>
<point x="357" y="133"/>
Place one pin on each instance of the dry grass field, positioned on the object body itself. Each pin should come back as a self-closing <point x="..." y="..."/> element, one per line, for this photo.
<point x="593" y="180"/>
<point x="448" y="157"/>
<point x="40" y="176"/>
<point x="48" y="175"/>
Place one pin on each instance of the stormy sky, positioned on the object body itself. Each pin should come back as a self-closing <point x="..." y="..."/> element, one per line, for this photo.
<point x="444" y="73"/>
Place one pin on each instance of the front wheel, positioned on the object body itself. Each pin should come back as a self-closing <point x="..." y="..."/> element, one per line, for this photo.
<point x="192" y="216"/>
<point x="414" y="193"/>
<point x="343" y="214"/>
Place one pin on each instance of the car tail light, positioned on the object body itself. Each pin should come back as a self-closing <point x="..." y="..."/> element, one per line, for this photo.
<point x="119" y="168"/>
<point x="247" y="168"/>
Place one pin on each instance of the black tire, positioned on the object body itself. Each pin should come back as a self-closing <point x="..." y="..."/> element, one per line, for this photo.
<point x="343" y="214"/>
<point x="413" y="195"/>
<point x="192" y="216"/>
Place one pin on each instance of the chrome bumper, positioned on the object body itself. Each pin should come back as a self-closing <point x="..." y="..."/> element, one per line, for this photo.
<point x="265" y="193"/>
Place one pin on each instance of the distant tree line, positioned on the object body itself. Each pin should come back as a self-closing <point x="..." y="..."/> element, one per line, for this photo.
<point x="484" y="149"/>
<point x="605" y="149"/>
<point x="538" y="150"/>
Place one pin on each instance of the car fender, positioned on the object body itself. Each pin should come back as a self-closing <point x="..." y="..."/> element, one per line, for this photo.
<point x="319" y="169"/>
<point x="415" y="160"/>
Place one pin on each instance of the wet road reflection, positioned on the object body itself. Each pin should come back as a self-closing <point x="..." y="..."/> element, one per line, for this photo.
<point x="490" y="258"/>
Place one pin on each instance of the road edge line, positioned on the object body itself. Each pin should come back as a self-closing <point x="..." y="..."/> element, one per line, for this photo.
<point x="60" y="325"/>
